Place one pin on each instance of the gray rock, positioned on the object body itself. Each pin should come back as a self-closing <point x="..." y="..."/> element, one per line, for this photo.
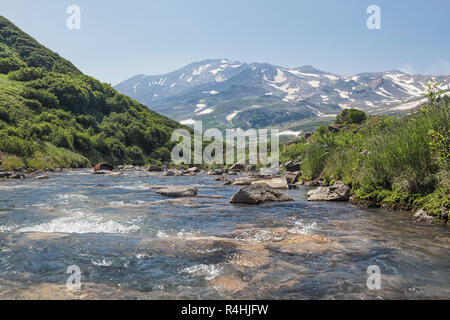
<point x="215" y="172"/>
<point x="258" y="194"/>
<point x="5" y="174"/>
<point x="275" y="183"/>
<point x="155" y="168"/>
<point x="42" y="177"/>
<point x="243" y="181"/>
<point x="291" y="178"/>
<point x="422" y="216"/>
<point x="292" y="166"/>
<point x="171" y="173"/>
<point x="178" y="191"/>
<point x="338" y="192"/>
<point x="238" y="167"/>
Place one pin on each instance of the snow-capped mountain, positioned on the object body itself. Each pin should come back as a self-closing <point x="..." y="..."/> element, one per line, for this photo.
<point x="228" y="94"/>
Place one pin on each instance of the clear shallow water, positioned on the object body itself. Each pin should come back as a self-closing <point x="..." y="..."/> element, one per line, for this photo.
<point x="131" y="243"/>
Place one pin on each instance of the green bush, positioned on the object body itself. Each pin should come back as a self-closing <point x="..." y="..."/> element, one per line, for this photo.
<point x="349" y="116"/>
<point x="10" y="64"/>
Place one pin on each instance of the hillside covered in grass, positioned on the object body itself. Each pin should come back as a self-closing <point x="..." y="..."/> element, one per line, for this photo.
<point x="399" y="163"/>
<point x="53" y="115"/>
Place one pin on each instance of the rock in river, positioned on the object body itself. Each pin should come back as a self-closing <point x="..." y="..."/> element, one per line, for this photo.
<point x="242" y="181"/>
<point x="103" y="166"/>
<point x="423" y="216"/>
<point x="178" y="191"/>
<point x="275" y="183"/>
<point x="257" y="195"/>
<point x="338" y="192"/>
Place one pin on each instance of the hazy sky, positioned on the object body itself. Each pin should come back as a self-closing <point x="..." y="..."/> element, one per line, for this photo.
<point x="119" y="39"/>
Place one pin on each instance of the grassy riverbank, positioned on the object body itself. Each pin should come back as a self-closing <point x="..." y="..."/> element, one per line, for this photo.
<point x="399" y="163"/>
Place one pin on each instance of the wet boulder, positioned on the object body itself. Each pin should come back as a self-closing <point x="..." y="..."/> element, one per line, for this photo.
<point x="178" y="191"/>
<point x="103" y="166"/>
<point x="258" y="194"/>
<point x="42" y="177"/>
<point x="337" y="192"/>
<point x="423" y="216"/>
<point x="275" y="183"/>
<point x="155" y="168"/>
<point x="237" y="167"/>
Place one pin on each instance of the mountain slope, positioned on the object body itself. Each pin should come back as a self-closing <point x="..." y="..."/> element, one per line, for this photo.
<point x="53" y="115"/>
<point x="231" y="94"/>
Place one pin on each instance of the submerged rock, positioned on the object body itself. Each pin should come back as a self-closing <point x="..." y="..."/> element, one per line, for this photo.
<point x="423" y="216"/>
<point x="275" y="183"/>
<point x="178" y="191"/>
<point x="338" y="192"/>
<point x="258" y="194"/>
<point x="42" y="177"/>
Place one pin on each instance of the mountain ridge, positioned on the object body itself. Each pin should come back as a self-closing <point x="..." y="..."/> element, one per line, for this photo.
<point x="212" y="90"/>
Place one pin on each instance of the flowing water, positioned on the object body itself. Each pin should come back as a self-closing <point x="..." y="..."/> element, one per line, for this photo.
<point x="130" y="243"/>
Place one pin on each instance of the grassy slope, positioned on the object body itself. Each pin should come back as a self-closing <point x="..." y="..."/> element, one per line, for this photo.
<point x="53" y="115"/>
<point x="400" y="163"/>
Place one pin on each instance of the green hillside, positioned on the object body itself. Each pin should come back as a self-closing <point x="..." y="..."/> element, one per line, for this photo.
<point x="53" y="115"/>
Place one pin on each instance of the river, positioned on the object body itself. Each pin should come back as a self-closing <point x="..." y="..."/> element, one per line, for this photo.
<point x="130" y="243"/>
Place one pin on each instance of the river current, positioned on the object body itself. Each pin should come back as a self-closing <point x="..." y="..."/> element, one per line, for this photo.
<point x="131" y="243"/>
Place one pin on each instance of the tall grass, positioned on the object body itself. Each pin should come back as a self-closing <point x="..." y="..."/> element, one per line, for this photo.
<point x="403" y="158"/>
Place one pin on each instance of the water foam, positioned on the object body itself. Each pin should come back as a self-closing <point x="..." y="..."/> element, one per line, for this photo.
<point x="80" y="222"/>
<point x="208" y="271"/>
<point x="303" y="228"/>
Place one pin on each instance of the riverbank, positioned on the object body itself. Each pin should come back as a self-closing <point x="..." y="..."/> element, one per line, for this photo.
<point x="395" y="163"/>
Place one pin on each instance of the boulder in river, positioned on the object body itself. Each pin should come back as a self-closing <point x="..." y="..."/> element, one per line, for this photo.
<point x="258" y="194"/>
<point x="42" y="177"/>
<point x="423" y="216"/>
<point x="103" y="166"/>
<point x="275" y="183"/>
<point x="237" y="167"/>
<point x="178" y="191"/>
<point x="337" y="192"/>
<point x="155" y="168"/>
<point x="215" y="172"/>
<point x="242" y="181"/>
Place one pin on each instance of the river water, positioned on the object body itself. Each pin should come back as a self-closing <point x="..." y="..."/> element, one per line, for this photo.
<point x="130" y="243"/>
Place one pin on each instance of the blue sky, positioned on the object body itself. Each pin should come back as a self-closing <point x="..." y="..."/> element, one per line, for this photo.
<point x="119" y="39"/>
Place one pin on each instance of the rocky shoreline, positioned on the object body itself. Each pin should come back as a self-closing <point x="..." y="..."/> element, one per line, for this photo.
<point x="257" y="186"/>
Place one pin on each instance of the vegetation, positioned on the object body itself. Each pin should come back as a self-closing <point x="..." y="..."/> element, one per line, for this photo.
<point x="53" y="115"/>
<point x="400" y="163"/>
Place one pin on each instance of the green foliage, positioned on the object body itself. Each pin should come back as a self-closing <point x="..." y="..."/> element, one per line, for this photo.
<point x="27" y="74"/>
<point x="349" y="116"/>
<point x="48" y="106"/>
<point x="10" y="64"/>
<point x="400" y="163"/>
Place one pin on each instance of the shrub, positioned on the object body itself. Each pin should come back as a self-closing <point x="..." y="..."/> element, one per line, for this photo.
<point x="349" y="116"/>
<point x="10" y="64"/>
<point x="27" y="74"/>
